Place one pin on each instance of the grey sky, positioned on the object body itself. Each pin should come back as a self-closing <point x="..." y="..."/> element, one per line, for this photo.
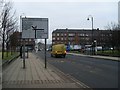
<point x="70" y="14"/>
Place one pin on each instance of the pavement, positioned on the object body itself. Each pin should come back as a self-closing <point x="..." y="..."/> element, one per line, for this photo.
<point x="98" y="56"/>
<point x="36" y="76"/>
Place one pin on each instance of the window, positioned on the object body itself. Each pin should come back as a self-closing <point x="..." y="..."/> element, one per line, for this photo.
<point x="87" y="35"/>
<point x="57" y="34"/>
<point x="82" y="38"/>
<point x="81" y="34"/>
<point x="58" y="39"/>
<point x="70" y="38"/>
<point x="90" y="34"/>
<point x="71" y="34"/>
<point x="102" y="34"/>
<point x="61" y="34"/>
<point x="87" y="38"/>
<point x="53" y="38"/>
<point x="53" y="34"/>
<point x="30" y="40"/>
<point x="110" y="34"/>
<point x="26" y="39"/>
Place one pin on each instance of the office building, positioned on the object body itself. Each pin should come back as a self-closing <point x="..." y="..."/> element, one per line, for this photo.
<point x="16" y="41"/>
<point x="82" y="37"/>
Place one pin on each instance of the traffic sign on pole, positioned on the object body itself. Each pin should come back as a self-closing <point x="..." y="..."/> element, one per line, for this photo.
<point x="34" y="28"/>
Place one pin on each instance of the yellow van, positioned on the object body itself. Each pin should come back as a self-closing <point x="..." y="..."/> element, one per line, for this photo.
<point x="58" y="50"/>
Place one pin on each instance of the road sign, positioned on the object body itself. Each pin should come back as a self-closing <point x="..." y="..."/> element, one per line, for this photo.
<point x="34" y="28"/>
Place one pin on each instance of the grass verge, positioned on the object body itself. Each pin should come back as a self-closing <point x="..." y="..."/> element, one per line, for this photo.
<point x="105" y="52"/>
<point x="8" y="57"/>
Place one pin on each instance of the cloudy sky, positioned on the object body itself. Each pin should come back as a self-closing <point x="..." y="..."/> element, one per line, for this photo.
<point x="70" y="13"/>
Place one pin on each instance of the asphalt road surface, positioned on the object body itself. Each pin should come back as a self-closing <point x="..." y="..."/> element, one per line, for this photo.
<point x="95" y="73"/>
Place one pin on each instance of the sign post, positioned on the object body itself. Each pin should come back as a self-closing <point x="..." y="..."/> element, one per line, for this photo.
<point x="24" y="54"/>
<point x="36" y="28"/>
<point x="45" y="55"/>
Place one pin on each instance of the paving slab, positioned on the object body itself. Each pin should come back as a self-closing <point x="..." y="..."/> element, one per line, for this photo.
<point x="36" y="76"/>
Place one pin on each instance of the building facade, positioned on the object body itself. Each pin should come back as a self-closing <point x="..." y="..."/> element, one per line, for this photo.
<point x="16" y="41"/>
<point x="82" y="37"/>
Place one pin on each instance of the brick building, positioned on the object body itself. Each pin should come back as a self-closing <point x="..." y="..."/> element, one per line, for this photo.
<point x="82" y="37"/>
<point x="16" y="41"/>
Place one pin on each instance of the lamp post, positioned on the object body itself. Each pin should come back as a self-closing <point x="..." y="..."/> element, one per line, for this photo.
<point x="91" y="17"/>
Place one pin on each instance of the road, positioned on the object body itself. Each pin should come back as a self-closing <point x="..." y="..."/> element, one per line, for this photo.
<point x="96" y="73"/>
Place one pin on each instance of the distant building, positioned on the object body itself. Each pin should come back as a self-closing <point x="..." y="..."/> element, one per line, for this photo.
<point x="41" y="46"/>
<point x="16" y="41"/>
<point x="82" y="37"/>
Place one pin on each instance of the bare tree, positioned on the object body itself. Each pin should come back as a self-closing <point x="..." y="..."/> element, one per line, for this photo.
<point x="1" y="8"/>
<point x="9" y="22"/>
<point x="111" y="26"/>
<point x="115" y="42"/>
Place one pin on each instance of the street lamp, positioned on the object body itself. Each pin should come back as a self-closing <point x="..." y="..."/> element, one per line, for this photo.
<point x="90" y="17"/>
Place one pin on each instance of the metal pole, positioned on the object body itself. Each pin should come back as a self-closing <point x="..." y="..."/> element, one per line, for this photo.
<point x="92" y="34"/>
<point x="45" y="55"/>
<point x="27" y="52"/>
<point x="24" y="54"/>
<point x="20" y="51"/>
<point x="35" y="34"/>
<point x="92" y="22"/>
